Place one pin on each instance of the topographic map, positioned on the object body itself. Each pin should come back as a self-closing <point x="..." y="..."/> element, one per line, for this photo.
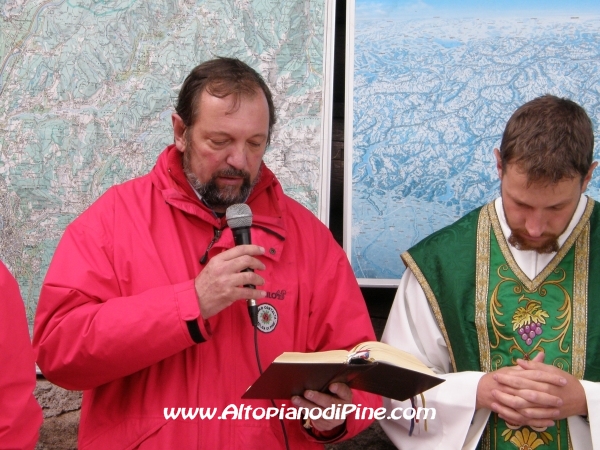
<point x="87" y="88"/>
<point x="432" y="91"/>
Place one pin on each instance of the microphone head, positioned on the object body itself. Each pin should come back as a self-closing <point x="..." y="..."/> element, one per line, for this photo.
<point x="238" y="216"/>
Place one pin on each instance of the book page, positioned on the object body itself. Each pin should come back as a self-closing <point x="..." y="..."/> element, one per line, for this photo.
<point x="380" y="351"/>
<point x="330" y="356"/>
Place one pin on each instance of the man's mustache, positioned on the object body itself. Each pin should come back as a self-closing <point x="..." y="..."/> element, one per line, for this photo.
<point x="231" y="172"/>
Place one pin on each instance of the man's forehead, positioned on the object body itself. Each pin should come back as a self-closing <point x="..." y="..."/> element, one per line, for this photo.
<point x="234" y="98"/>
<point x="546" y="195"/>
<point x="520" y="175"/>
<point x="228" y="104"/>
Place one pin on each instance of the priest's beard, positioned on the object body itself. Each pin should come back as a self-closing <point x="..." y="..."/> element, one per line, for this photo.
<point x="211" y="194"/>
<point x="550" y="245"/>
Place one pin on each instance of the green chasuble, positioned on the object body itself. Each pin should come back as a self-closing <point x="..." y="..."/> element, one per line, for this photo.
<point x="490" y="313"/>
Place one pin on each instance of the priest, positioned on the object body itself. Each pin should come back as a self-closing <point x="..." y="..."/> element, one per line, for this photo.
<point x="502" y="303"/>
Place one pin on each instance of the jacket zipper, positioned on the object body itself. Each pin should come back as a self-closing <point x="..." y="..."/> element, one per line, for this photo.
<point x="215" y="238"/>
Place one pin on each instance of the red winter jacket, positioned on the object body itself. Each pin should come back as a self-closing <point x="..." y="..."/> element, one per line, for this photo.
<point x="20" y="414"/>
<point x="113" y="312"/>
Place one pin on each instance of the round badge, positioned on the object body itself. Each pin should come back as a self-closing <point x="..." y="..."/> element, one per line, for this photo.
<point x="267" y="318"/>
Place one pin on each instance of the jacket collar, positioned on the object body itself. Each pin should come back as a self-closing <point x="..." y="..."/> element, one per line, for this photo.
<point x="266" y="199"/>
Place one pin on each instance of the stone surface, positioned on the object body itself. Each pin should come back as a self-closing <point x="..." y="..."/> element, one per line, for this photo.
<point x="59" y="432"/>
<point x="61" y="409"/>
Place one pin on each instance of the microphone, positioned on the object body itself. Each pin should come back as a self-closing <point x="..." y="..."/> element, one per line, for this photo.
<point x="239" y="219"/>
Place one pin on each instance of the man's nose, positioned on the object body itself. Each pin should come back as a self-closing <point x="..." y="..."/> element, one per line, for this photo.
<point x="535" y="224"/>
<point x="237" y="156"/>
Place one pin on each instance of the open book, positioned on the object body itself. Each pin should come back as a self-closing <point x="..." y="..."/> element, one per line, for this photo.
<point x="370" y="366"/>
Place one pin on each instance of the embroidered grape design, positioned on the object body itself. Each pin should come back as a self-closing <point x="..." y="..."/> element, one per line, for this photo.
<point x="530" y="331"/>
<point x="528" y="320"/>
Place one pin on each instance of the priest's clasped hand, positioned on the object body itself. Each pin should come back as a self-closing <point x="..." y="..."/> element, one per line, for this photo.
<point x="531" y="393"/>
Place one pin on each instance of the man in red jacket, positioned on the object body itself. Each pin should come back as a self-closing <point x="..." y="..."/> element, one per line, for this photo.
<point x="141" y="304"/>
<point x="20" y="414"/>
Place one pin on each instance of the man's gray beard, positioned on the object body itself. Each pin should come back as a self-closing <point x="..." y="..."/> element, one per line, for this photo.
<point x="211" y="194"/>
<point x="549" y="247"/>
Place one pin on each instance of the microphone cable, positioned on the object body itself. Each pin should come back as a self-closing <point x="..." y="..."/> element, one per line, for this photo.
<point x="239" y="219"/>
<point x="287" y="444"/>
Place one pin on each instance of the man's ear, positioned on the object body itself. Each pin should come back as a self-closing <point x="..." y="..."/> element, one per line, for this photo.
<point x="588" y="177"/>
<point x="498" y="162"/>
<point x="178" y="131"/>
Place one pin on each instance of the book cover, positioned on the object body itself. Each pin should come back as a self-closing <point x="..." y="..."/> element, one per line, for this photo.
<point x="371" y="366"/>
